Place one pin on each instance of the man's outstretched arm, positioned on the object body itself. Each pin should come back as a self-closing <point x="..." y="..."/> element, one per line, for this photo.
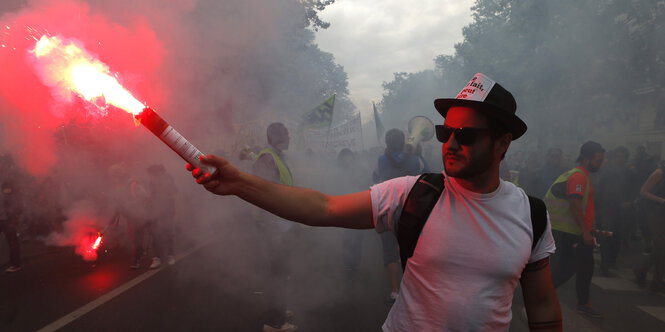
<point x="301" y="205"/>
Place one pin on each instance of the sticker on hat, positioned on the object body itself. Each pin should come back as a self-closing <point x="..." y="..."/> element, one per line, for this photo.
<point x="477" y="89"/>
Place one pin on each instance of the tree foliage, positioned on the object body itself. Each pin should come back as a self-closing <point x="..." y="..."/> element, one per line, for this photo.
<point x="573" y="66"/>
<point x="293" y="73"/>
<point x="312" y="9"/>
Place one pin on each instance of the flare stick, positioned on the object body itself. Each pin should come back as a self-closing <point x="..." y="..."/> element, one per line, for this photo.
<point x="167" y="134"/>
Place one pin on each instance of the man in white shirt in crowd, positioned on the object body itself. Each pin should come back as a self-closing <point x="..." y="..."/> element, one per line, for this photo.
<point x="477" y="242"/>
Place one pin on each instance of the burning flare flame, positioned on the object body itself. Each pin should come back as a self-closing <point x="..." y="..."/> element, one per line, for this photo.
<point x="65" y="64"/>
<point x="98" y="241"/>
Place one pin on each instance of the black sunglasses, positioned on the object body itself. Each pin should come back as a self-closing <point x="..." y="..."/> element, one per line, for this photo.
<point x="464" y="136"/>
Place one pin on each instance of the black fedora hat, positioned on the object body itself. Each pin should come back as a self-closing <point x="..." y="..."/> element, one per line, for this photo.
<point x="486" y="95"/>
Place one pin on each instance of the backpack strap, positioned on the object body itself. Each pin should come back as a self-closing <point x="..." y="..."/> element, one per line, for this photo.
<point x="419" y="204"/>
<point x="538" y="219"/>
<point x="421" y="200"/>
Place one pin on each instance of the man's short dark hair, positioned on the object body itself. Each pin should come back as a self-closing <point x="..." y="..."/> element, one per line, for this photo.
<point x="395" y="140"/>
<point x="275" y="131"/>
<point x="497" y="130"/>
<point x="589" y="150"/>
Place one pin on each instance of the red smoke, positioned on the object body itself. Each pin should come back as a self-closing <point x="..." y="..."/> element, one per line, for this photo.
<point x="80" y="230"/>
<point x="31" y="112"/>
<point x="86" y="249"/>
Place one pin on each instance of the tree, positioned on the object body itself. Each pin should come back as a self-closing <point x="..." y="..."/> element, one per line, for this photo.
<point x="562" y="60"/>
<point x="408" y="95"/>
<point x="312" y="9"/>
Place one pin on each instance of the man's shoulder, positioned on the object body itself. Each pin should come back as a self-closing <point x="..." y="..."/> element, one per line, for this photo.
<point x="264" y="157"/>
<point x="578" y="177"/>
<point x="264" y="164"/>
<point x="576" y="184"/>
<point x="402" y="184"/>
<point x="511" y="188"/>
<point x="414" y="160"/>
<point x="512" y="193"/>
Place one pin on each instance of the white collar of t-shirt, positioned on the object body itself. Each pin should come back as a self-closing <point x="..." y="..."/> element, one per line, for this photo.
<point x="455" y="186"/>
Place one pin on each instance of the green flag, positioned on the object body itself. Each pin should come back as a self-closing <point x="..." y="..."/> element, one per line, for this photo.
<point x="320" y="116"/>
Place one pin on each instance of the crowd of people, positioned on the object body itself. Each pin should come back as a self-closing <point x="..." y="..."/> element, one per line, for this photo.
<point x="619" y="208"/>
<point x="623" y="202"/>
<point x="32" y="210"/>
<point x="590" y="207"/>
<point x="472" y="248"/>
<point x="481" y="235"/>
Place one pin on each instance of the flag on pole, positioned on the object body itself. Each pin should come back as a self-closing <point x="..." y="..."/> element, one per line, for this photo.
<point x="380" y="130"/>
<point x="319" y="117"/>
<point x="344" y="135"/>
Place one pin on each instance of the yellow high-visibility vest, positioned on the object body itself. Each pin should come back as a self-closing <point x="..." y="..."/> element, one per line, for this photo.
<point x="285" y="176"/>
<point x="561" y="216"/>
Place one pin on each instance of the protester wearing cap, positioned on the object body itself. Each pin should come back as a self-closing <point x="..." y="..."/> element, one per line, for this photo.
<point x="572" y="212"/>
<point x="476" y="243"/>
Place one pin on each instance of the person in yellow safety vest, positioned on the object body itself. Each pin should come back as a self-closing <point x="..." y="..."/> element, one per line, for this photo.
<point x="571" y="207"/>
<point x="270" y="164"/>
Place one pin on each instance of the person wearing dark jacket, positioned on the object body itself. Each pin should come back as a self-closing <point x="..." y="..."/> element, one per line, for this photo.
<point x="653" y="193"/>
<point x="614" y="202"/>
<point x="395" y="162"/>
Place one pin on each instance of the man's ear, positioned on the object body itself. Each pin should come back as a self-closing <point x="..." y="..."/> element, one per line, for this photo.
<point x="502" y="144"/>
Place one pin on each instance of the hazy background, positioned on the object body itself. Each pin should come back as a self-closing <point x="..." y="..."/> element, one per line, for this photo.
<point x="221" y="70"/>
<point x="374" y="41"/>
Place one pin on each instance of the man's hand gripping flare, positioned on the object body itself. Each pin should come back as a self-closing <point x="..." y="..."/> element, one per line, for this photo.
<point x="222" y="181"/>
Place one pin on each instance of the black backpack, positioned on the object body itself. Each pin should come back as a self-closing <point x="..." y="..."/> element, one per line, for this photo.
<point x="421" y="200"/>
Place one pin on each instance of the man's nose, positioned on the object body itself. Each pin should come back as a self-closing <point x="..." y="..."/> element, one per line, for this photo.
<point x="452" y="142"/>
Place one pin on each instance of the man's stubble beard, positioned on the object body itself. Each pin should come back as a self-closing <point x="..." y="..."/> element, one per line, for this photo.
<point x="473" y="167"/>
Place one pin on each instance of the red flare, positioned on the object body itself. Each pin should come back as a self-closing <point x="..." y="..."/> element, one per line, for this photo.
<point x="65" y="64"/>
<point x="95" y="245"/>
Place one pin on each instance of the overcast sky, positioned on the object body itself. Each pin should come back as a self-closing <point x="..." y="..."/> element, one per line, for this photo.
<point x="374" y="39"/>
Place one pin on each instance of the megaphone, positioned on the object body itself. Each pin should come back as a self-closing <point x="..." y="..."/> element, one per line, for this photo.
<point x="421" y="129"/>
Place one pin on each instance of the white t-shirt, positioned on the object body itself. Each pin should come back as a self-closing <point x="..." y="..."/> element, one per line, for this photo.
<point x="468" y="259"/>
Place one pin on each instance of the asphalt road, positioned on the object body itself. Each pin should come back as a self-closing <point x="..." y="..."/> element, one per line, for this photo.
<point x="219" y="284"/>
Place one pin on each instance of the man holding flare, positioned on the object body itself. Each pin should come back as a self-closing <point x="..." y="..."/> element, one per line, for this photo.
<point x="477" y="242"/>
